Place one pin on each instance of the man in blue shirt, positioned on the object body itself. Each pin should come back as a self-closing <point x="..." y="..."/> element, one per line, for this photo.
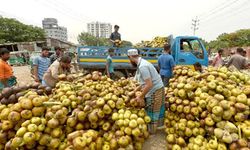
<point x="166" y="64"/>
<point x="41" y="64"/>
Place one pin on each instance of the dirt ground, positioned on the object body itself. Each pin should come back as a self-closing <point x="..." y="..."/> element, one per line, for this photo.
<point x="23" y="74"/>
<point x="154" y="142"/>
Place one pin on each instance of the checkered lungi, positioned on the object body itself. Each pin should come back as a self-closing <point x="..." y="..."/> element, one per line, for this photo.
<point x="155" y="108"/>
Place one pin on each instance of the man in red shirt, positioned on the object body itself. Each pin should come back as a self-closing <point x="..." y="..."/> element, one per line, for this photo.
<point x="218" y="59"/>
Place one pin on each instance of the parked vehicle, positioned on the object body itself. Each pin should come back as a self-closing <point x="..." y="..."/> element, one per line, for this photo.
<point x="186" y="50"/>
<point x="19" y="58"/>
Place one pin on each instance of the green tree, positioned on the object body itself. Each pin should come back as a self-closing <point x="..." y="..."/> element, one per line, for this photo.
<point x="239" y="38"/>
<point x="126" y="44"/>
<point x="205" y="43"/>
<point x="215" y="45"/>
<point x="104" y="42"/>
<point x="12" y="30"/>
<point x="87" y="39"/>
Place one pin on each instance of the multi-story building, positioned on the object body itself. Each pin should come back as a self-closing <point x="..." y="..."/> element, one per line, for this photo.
<point x="99" y="29"/>
<point x="53" y="30"/>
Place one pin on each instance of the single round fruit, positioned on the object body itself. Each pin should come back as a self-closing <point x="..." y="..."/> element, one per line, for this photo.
<point x="32" y="128"/>
<point x="29" y="137"/>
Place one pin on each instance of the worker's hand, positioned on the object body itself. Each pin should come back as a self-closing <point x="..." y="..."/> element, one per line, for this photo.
<point x="138" y="88"/>
<point x="108" y="74"/>
<point x="140" y="100"/>
<point x="37" y="80"/>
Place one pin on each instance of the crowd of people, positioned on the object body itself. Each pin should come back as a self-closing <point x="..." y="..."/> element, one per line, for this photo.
<point x="237" y="60"/>
<point x="151" y="81"/>
<point x="46" y="69"/>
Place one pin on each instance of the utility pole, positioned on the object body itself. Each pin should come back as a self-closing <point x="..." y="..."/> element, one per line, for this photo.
<point x="195" y="23"/>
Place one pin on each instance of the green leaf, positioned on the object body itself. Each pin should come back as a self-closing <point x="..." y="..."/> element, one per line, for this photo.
<point x="12" y="30"/>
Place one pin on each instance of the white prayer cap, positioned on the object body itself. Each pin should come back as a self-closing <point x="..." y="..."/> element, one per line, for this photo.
<point x="132" y="52"/>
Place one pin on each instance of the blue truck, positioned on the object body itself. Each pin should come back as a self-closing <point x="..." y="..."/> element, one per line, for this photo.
<point x="186" y="50"/>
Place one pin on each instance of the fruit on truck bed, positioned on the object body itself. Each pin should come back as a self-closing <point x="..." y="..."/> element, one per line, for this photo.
<point x="156" y="42"/>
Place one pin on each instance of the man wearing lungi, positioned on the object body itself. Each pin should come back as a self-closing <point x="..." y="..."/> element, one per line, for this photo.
<point x="152" y="96"/>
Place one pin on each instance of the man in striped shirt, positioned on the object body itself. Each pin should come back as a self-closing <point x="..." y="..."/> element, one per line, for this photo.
<point x="41" y="64"/>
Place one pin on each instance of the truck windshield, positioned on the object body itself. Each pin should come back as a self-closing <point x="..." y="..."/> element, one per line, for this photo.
<point x="193" y="46"/>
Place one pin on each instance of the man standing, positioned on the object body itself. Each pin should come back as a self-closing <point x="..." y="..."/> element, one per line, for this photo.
<point x="244" y="53"/>
<point x="115" y="37"/>
<point x="7" y="78"/>
<point x="109" y="64"/>
<point x="152" y="89"/>
<point x="56" y="55"/>
<point x="60" y="66"/>
<point x="41" y="64"/>
<point x="237" y="60"/>
<point x="218" y="59"/>
<point x="166" y="65"/>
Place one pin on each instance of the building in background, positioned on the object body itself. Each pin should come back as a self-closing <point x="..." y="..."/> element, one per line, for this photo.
<point x="53" y="30"/>
<point x="99" y="29"/>
<point x="37" y="45"/>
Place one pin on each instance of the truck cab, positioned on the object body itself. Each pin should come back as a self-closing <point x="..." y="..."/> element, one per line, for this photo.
<point x="186" y="50"/>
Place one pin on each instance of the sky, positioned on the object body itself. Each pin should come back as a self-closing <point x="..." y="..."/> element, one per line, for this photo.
<point x="138" y="19"/>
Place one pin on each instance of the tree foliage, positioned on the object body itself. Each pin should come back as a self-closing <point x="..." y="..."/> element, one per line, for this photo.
<point x="12" y="30"/>
<point x="87" y="39"/>
<point x="239" y="38"/>
<point x="126" y="44"/>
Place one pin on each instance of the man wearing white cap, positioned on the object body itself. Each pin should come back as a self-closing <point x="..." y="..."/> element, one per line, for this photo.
<point x="152" y="96"/>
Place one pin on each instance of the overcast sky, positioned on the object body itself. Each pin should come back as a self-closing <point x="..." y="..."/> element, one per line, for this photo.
<point x="138" y="19"/>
